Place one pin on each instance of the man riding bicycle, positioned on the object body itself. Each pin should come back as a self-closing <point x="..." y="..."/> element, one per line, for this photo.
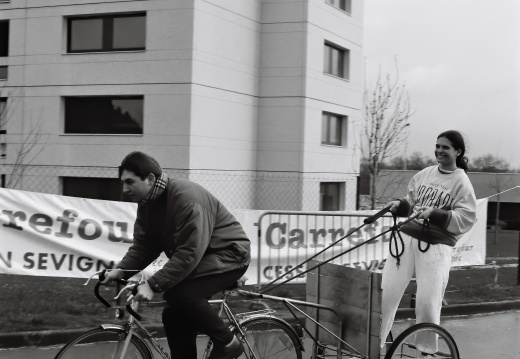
<point x="207" y="248"/>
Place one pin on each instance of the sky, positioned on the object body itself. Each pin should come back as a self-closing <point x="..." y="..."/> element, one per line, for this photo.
<point x="460" y="62"/>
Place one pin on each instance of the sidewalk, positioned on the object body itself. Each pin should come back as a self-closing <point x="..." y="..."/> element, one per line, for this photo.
<point x="465" y="309"/>
<point x="60" y="337"/>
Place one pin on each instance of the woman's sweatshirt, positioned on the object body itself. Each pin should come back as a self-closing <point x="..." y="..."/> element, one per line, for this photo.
<point x="453" y="199"/>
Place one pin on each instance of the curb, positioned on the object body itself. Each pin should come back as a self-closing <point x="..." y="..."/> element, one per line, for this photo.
<point x="465" y="309"/>
<point x="46" y="338"/>
<point x="59" y="337"/>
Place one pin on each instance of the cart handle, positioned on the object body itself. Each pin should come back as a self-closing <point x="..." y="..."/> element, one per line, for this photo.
<point x="379" y="214"/>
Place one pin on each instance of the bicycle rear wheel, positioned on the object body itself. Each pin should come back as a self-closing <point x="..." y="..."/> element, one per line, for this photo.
<point x="103" y="343"/>
<point x="424" y="340"/>
<point x="270" y="338"/>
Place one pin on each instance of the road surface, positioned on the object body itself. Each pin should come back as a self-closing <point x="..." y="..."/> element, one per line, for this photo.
<point x="495" y="335"/>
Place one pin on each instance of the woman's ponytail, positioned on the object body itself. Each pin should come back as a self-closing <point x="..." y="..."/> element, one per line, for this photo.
<point x="462" y="162"/>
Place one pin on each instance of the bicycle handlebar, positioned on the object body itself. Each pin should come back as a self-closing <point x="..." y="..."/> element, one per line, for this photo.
<point x="106" y="303"/>
<point x="379" y="214"/>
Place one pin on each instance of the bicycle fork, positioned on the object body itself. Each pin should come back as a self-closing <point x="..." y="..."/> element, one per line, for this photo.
<point x="121" y="352"/>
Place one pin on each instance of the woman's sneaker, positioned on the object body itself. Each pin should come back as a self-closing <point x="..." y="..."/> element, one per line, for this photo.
<point x="230" y="351"/>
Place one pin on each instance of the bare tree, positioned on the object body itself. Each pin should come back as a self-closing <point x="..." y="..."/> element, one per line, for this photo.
<point x="386" y="122"/>
<point x="390" y="184"/>
<point x="29" y="146"/>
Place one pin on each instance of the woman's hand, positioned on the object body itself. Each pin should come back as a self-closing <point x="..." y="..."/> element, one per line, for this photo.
<point x="394" y="205"/>
<point x="426" y="212"/>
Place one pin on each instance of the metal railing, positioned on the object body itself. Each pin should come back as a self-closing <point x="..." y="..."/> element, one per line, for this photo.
<point x="288" y="238"/>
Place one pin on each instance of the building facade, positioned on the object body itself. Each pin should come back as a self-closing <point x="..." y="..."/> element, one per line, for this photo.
<point x="257" y="100"/>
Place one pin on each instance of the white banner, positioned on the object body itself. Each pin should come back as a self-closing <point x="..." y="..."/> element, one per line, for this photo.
<point x="471" y="248"/>
<point x="51" y="235"/>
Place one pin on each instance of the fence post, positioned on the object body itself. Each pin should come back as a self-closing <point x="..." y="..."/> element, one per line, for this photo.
<point x="358" y="192"/>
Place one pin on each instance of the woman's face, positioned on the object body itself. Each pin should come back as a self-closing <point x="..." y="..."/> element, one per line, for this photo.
<point x="446" y="154"/>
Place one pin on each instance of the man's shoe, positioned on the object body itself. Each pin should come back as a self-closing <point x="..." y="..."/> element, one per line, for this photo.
<point x="230" y="351"/>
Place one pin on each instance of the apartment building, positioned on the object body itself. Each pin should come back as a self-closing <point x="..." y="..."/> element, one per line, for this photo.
<point x="257" y="100"/>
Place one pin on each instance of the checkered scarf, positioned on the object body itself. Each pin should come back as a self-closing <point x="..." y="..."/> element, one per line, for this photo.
<point x="158" y="188"/>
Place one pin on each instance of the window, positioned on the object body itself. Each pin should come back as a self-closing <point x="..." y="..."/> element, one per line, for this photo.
<point x="3" y="73"/>
<point x="336" y="61"/>
<point x="344" y="5"/>
<point x="331" y="194"/>
<point x="107" y="33"/>
<point x="104" y="115"/>
<point x="3" y="132"/>
<point x="333" y="129"/>
<point x="109" y="189"/>
<point x="4" y="38"/>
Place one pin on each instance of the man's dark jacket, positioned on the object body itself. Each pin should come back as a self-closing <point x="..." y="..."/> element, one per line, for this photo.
<point x="197" y="233"/>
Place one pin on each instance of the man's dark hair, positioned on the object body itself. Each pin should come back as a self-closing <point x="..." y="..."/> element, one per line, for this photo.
<point x="141" y="165"/>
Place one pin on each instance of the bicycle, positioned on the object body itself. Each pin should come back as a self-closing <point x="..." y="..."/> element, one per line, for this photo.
<point x="263" y="334"/>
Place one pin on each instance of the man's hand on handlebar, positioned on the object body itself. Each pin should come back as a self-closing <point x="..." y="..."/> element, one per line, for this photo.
<point x="113" y="275"/>
<point x="143" y="293"/>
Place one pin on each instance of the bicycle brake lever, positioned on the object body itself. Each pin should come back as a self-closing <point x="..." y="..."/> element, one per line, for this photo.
<point x="129" y="308"/>
<point x="96" y="274"/>
<point x="129" y="285"/>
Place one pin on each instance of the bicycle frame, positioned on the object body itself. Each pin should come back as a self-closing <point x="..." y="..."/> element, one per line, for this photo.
<point x="134" y="327"/>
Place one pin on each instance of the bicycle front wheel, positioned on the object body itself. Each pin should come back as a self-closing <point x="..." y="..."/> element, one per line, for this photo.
<point x="269" y="338"/>
<point x="424" y="340"/>
<point x="103" y="343"/>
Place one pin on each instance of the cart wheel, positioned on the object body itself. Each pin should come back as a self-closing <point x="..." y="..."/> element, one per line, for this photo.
<point x="424" y="340"/>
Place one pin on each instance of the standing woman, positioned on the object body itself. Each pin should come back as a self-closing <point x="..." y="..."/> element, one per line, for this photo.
<point x="446" y="199"/>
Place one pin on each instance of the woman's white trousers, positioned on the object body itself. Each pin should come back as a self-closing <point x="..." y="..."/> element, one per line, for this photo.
<point x="431" y="269"/>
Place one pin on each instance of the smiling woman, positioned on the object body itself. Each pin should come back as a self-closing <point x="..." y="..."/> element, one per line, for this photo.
<point x="445" y="201"/>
